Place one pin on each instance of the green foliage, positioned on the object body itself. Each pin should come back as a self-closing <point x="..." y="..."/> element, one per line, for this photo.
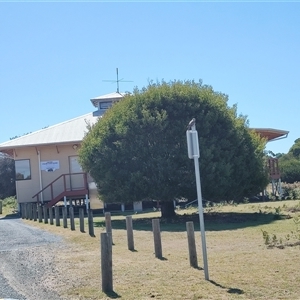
<point x="289" y="164"/>
<point x="10" y="202"/>
<point x="291" y="190"/>
<point x="291" y="239"/>
<point x="277" y="215"/>
<point x="7" y="177"/>
<point x="138" y="149"/>
<point x="294" y="208"/>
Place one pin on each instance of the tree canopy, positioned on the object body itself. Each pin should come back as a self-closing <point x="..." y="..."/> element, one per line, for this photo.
<point x="7" y="177"/>
<point x="138" y="149"/>
<point x="289" y="164"/>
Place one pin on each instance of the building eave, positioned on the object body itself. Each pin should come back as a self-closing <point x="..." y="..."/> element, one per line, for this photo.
<point x="271" y="134"/>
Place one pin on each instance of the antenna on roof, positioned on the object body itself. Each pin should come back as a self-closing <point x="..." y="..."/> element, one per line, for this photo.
<point x="117" y="81"/>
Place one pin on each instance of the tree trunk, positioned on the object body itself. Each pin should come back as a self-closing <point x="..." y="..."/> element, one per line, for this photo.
<point x="167" y="209"/>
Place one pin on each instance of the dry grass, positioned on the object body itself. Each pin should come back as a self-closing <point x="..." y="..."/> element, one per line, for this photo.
<point x="240" y="265"/>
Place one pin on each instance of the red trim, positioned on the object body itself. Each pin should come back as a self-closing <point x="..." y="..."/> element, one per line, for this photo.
<point x="79" y="191"/>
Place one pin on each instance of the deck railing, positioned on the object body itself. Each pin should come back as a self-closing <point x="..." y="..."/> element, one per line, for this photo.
<point x="65" y="183"/>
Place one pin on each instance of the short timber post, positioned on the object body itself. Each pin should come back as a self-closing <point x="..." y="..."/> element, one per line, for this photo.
<point x="23" y="210"/>
<point x="40" y="214"/>
<point x="157" y="238"/>
<point x="0" y="207"/>
<point x="71" y="213"/>
<point x="130" y="241"/>
<point x="91" y="223"/>
<point x="45" y="214"/>
<point x="65" y="220"/>
<point x="30" y="211"/>
<point x="192" y="244"/>
<point x="57" y="217"/>
<point x="34" y="212"/>
<point x="106" y="262"/>
<point x="51" y="215"/>
<point x="108" y="224"/>
<point x="26" y="211"/>
<point x="81" y="219"/>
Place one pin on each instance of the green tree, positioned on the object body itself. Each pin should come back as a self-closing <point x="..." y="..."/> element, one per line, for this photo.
<point x="138" y="149"/>
<point x="7" y="177"/>
<point x="289" y="164"/>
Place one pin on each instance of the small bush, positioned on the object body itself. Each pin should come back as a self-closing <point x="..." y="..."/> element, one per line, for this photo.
<point x="291" y="190"/>
<point x="10" y="202"/>
<point x="291" y="239"/>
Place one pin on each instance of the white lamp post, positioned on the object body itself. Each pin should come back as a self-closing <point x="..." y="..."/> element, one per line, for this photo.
<point x="194" y="153"/>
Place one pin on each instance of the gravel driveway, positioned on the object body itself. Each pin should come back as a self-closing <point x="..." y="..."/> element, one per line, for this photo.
<point x="27" y="269"/>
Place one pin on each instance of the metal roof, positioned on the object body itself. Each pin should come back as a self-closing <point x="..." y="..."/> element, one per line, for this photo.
<point x="271" y="134"/>
<point x="66" y="132"/>
<point x="112" y="96"/>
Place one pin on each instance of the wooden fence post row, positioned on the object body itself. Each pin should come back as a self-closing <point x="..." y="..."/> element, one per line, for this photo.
<point x="35" y="211"/>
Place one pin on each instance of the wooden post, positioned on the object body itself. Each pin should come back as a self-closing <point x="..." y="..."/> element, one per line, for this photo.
<point x="71" y="213"/>
<point x="0" y="207"/>
<point x="81" y="219"/>
<point x="91" y="223"/>
<point x="130" y="240"/>
<point x="157" y="238"/>
<point x="26" y="211"/>
<point x="45" y="214"/>
<point x="191" y="244"/>
<point x="23" y="210"/>
<point x="51" y="215"/>
<point x="40" y="214"/>
<point x="30" y="211"/>
<point x="57" y="217"/>
<point x="65" y="220"/>
<point x="108" y="224"/>
<point x="34" y="212"/>
<point x="106" y="263"/>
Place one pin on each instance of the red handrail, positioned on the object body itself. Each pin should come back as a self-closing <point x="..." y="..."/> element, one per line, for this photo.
<point x="65" y="186"/>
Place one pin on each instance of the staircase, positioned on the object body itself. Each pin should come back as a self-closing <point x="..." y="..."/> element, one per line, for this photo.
<point x="71" y="185"/>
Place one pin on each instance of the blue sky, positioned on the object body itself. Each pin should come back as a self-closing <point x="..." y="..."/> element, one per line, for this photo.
<point x="55" y="56"/>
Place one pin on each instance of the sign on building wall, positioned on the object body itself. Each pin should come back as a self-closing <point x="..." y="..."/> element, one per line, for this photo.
<point x="50" y="165"/>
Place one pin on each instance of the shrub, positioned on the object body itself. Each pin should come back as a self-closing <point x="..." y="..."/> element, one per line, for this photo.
<point x="291" y="190"/>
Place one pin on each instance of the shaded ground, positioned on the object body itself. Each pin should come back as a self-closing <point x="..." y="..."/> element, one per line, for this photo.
<point x="213" y="221"/>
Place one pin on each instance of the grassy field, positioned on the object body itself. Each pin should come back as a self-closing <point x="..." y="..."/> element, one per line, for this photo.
<point x="241" y="265"/>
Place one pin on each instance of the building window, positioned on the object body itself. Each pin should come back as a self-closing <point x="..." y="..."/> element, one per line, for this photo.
<point x="105" y="105"/>
<point x="23" y="169"/>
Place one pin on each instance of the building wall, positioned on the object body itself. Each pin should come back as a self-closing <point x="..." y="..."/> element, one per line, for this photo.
<point x="27" y="188"/>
